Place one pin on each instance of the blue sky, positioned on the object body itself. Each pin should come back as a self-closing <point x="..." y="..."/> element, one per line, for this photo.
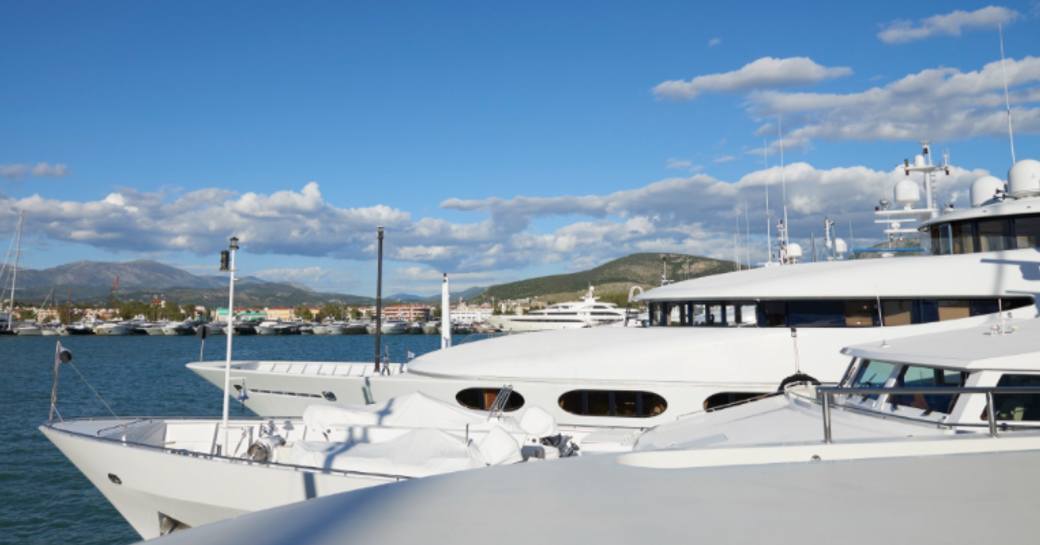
<point x="182" y="109"/>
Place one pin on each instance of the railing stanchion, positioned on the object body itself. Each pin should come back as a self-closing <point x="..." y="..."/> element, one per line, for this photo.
<point x="991" y="416"/>
<point x="826" y="417"/>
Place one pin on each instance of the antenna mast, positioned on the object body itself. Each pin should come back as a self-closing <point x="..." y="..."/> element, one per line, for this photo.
<point x="783" y="179"/>
<point x="769" y="212"/>
<point x="1007" y="99"/>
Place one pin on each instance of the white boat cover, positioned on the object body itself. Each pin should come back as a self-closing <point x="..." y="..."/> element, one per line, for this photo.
<point x="417" y="453"/>
<point x="415" y="410"/>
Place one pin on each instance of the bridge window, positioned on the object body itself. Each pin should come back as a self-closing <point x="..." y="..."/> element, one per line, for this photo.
<point x="986" y="235"/>
<point x="995" y="235"/>
<point x="1027" y="232"/>
<point x="1017" y="407"/>
<point x="914" y="376"/>
<point x="618" y="403"/>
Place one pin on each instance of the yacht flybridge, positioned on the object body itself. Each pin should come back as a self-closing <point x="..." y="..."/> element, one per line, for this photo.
<point x="937" y="427"/>
<point x="589" y="312"/>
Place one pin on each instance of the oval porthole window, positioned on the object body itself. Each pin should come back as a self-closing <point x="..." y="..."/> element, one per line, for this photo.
<point x="617" y="403"/>
<point x="482" y="399"/>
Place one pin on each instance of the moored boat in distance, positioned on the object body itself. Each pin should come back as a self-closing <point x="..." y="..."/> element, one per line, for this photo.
<point x="113" y="329"/>
<point x="589" y="312"/>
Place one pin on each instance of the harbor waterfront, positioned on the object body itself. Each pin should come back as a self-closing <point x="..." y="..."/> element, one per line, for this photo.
<point x="47" y="499"/>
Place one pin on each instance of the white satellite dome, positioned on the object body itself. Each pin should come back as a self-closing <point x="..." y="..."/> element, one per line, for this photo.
<point x="840" y="246"/>
<point x="984" y="189"/>
<point x="794" y="250"/>
<point x="906" y="193"/>
<point x="1024" y="178"/>
<point x="919" y="160"/>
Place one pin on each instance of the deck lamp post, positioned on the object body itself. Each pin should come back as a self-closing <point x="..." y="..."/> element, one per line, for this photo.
<point x="227" y="264"/>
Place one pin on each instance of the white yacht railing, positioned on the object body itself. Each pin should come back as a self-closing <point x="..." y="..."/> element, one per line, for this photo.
<point x="824" y="394"/>
<point x="331" y="368"/>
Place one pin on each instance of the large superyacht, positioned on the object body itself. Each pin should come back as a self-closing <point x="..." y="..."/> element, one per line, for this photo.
<point x="715" y="340"/>
<point x="939" y="427"/>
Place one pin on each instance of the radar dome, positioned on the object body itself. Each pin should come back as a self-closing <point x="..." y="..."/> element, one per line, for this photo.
<point x="906" y="192"/>
<point x="984" y="189"/>
<point x="1024" y="178"/>
<point x="840" y="247"/>
<point x="919" y="161"/>
<point x="794" y="250"/>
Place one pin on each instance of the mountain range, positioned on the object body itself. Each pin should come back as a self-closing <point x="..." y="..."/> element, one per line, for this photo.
<point x="612" y="279"/>
<point x="94" y="282"/>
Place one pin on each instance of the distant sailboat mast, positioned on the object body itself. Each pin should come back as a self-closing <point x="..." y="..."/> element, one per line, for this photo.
<point x="14" y="269"/>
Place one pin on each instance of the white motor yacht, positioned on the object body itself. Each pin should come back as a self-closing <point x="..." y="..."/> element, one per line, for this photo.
<point x="28" y="329"/>
<point x="168" y="474"/>
<point x="389" y="327"/>
<point x="938" y="428"/>
<point x="640" y="377"/>
<point x="589" y="312"/>
<point x="113" y="329"/>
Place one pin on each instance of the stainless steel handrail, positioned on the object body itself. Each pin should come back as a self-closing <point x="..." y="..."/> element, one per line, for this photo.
<point x="824" y="393"/>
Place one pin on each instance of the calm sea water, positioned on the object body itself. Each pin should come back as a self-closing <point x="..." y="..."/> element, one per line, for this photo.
<point x="43" y="498"/>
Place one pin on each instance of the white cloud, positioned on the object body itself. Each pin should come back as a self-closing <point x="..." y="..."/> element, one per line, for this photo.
<point x="766" y="72"/>
<point x="21" y="170"/>
<point x="679" y="164"/>
<point x="948" y="24"/>
<point x="724" y="159"/>
<point x="935" y="103"/>
<point x="714" y="41"/>
<point x="692" y="214"/>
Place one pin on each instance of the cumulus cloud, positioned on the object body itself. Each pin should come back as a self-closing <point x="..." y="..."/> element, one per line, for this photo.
<point x="693" y="214"/>
<point x="766" y="72"/>
<point x="948" y="24"/>
<point x="20" y="170"/>
<point x="935" y="103"/>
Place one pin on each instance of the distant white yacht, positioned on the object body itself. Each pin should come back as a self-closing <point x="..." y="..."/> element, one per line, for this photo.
<point x="589" y="312"/>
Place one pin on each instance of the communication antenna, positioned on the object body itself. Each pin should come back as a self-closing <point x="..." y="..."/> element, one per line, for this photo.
<point x="783" y="178"/>
<point x="769" y="212"/>
<point x="1007" y="99"/>
<point x="747" y="237"/>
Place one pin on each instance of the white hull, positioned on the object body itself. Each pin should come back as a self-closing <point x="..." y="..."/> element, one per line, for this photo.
<point x="526" y="323"/>
<point x="194" y="490"/>
<point x="28" y="331"/>
<point x="989" y="490"/>
<point x="112" y="330"/>
<point x="686" y="366"/>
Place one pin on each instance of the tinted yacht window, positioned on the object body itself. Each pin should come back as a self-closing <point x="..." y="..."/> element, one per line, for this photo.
<point x="913" y="376"/>
<point x="621" y="403"/>
<point x="1017" y="407"/>
<point x="1027" y="232"/>
<point x="994" y="234"/>
<point x="816" y="314"/>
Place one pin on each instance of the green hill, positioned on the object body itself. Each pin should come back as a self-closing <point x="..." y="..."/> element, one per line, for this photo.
<point x="612" y="279"/>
